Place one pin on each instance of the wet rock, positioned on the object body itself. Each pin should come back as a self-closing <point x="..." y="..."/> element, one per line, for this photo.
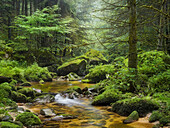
<point x="7" y="118"/>
<point x="77" y="66"/>
<point x="134" y="116"/>
<point x="85" y="89"/>
<point x="44" y="99"/>
<point x="57" y="118"/>
<point x="47" y="112"/>
<point x="20" y="109"/>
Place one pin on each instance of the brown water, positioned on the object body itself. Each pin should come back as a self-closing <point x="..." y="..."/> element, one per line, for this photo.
<point x="88" y="116"/>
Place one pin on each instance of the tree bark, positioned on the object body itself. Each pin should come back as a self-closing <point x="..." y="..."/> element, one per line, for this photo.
<point x="167" y="22"/>
<point x="23" y="7"/>
<point x="160" y="46"/>
<point x="26" y="7"/>
<point x="31" y="7"/>
<point x="132" y="63"/>
<point x="18" y="7"/>
<point x="132" y="58"/>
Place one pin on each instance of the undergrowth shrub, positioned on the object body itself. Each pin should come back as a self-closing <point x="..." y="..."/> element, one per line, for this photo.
<point x="36" y="73"/>
<point x="21" y="72"/>
<point x="100" y="72"/>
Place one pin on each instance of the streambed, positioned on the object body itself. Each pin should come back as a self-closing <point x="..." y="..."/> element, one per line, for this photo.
<point x="87" y="116"/>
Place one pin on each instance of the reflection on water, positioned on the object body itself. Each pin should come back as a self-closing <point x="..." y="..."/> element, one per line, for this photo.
<point x="58" y="86"/>
<point x="88" y="116"/>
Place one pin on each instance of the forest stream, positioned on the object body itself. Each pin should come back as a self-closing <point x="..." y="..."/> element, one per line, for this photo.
<point x="85" y="115"/>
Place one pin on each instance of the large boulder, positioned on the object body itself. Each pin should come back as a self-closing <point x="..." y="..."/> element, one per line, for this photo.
<point x="142" y="105"/>
<point x="77" y="66"/>
<point x="28" y="119"/>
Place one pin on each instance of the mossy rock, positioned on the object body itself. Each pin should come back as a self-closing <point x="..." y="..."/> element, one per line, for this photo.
<point x="28" y="119"/>
<point x="74" y="88"/>
<point x="9" y="102"/>
<point x="4" y="124"/>
<point x="156" y="115"/>
<point x="165" y="120"/>
<point x="99" y="73"/>
<point x="4" y="115"/>
<point x="134" y="116"/>
<point x="29" y="92"/>
<point x="141" y="105"/>
<point x="107" y="97"/>
<point x="18" y="97"/>
<point x="77" y="66"/>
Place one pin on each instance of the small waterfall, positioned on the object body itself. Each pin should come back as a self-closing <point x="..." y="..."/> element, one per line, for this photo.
<point x="67" y="101"/>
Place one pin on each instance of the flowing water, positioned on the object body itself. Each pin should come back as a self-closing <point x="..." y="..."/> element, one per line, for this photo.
<point x="86" y="115"/>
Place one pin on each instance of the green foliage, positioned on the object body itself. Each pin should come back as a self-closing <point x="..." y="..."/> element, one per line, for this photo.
<point x="4" y="124"/>
<point x="107" y="97"/>
<point x="156" y="115"/>
<point x="36" y="73"/>
<point x="21" y="73"/>
<point x="160" y="81"/>
<point x="165" y="120"/>
<point x="28" y="119"/>
<point x="152" y="62"/>
<point x="29" y="92"/>
<point x="142" y="105"/>
<point x="100" y="72"/>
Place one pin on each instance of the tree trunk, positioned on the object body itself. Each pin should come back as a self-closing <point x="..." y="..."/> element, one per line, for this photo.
<point x="132" y="58"/>
<point x="23" y="7"/>
<point x="9" y="28"/>
<point x="35" y="5"/>
<point x="18" y="7"/>
<point x="132" y="63"/>
<point x="167" y="22"/>
<point x="160" y="46"/>
<point x="26" y="7"/>
<point x="31" y="7"/>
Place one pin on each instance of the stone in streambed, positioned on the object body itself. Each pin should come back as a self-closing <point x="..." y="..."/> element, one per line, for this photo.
<point x="134" y="116"/>
<point x="47" y="112"/>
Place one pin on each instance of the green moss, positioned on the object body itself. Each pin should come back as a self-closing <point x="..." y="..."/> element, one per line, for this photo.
<point x="18" y="97"/>
<point x="28" y="119"/>
<point x="164" y="120"/>
<point x="156" y="115"/>
<point x="107" y="97"/>
<point x="76" y="62"/>
<point x="9" y="125"/>
<point x="29" y="92"/>
<point x="99" y="73"/>
<point x="95" y="55"/>
<point x="134" y="116"/>
<point x="152" y="62"/>
<point x="74" y="88"/>
<point x="141" y="105"/>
